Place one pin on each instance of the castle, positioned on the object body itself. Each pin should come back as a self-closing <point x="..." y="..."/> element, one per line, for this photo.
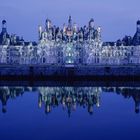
<point x="69" y="45"/>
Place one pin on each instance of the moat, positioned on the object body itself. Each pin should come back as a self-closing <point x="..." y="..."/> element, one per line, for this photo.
<point x="54" y="111"/>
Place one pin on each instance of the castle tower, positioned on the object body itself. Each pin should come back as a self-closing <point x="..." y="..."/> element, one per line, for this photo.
<point x="48" y="24"/>
<point x="4" y="26"/>
<point x="99" y="33"/>
<point x="91" y="23"/>
<point x="136" y="38"/>
<point x="75" y="27"/>
<point x="64" y="28"/>
<point x="40" y="30"/>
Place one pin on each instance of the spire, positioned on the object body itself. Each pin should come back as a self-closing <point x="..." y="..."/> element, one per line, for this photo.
<point x="138" y="26"/>
<point x="70" y="18"/>
<point x="70" y="22"/>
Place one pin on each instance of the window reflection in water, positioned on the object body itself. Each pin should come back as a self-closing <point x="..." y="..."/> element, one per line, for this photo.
<point x="69" y="97"/>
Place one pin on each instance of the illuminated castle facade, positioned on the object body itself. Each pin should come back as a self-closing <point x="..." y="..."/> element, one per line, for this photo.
<point x="69" y="45"/>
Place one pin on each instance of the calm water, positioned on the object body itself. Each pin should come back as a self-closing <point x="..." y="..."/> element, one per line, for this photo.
<point x="69" y="113"/>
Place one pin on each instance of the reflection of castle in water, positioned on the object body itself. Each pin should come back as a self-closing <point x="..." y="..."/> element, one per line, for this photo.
<point x="68" y="97"/>
<point x="128" y="93"/>
<point x="9" y="92"/>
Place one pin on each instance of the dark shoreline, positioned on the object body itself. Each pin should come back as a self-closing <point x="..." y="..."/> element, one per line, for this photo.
<point x="70" y="81"/>
<point x="48" y="75"/>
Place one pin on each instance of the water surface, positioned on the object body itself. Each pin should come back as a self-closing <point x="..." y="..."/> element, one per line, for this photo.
<point x="75" y="113"/>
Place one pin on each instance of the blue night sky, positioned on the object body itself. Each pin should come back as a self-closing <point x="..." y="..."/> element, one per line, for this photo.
<point x="117" y="18"/>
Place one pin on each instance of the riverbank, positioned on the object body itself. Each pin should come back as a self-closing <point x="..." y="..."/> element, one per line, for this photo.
<point x="69" y="74"/>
